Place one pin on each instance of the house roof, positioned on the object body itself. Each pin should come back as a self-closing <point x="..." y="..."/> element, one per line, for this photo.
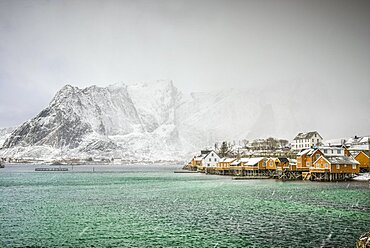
<point x="307" y="135"/>
<point x="308" y="152"/>
<point x="198" y="158"/>
<point x="244" y="160"/>
<point x="253" y="161"/>
<point x="330" y="148"/>
<point x="209" y="152"/>
<point x="227" y="160"/>
<point x="342" y="160"/>
<point x="236" y="162"/>
<point x="356" y="153"/>
<point x="284" y="160"/>
<point x="292" y="161"/>
<point x="304" y="152"/>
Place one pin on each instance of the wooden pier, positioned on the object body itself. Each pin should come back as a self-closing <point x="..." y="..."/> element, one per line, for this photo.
<point x="51" y="169"/>
<point x="250" y="177"/>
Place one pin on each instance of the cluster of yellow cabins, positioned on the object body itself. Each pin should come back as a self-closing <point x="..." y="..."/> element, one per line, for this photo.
<point x="321" y="163"/>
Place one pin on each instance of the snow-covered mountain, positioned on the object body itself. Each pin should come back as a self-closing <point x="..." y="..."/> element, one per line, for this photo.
<point x="133" y="121"/>
<point x="5" y="133"/>
<point x="151" y="121"/>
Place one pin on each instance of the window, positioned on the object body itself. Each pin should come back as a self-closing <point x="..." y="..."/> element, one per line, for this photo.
<point x="209" y="160"/>
<point x="338" y="151"/>
<point x="354" y="166"/>
<point x="317" y="156"/>
<point x="338" y="166"/>
<point x="215" y="159"/>
<point x="307" y="164"/>
<point x="207" y="164"/>
<point x="313" y="140"/>
<point x="212" y="154"/>
<point x="326" y="166"/>
<point x="315" y="135"/>
<point x="317" y="165"/>
<point x="325" y="150"/>
<point x="317" y="140"/>
<point x="270" y="163"/>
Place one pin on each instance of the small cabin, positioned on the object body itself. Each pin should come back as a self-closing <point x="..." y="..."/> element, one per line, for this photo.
<point x="258" y="163"/>
<point x="224" y="163"/>
<point x="270" y="164"/>
<point x="282" y="163"/>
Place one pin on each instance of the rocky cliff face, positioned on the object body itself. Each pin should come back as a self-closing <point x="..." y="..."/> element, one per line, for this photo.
<point x="118" y="120"/>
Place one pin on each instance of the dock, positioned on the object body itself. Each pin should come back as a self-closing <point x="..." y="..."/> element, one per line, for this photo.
<point x="185" y="171"/>
<point x="51" y="169"/>
<point x="251" y="177"/>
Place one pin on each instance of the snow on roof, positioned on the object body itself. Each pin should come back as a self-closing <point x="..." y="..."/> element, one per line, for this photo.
<point x="253" y="161"/>
<point x="235" y="163"/>
<point x="342" y="160"/>
<point x="227" y="160"/>
<point x="330" y="147"/>
<point x="307" y="135"/>
<point x="304" y="152"/>
<point x="198" y="158"/>
<point x="244" y="160"/>
<point x="292" y="161"/>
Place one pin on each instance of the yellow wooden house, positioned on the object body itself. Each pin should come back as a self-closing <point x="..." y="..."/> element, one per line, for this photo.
<point x="306" y="158"/>
<point x="336" y="164"/>
<point x="270" y="164"/>
<point x="363" y="159"/>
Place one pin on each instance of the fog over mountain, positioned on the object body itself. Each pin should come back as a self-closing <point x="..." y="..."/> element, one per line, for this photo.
<point x="154" y="121"/>
<point x="312" y="57"/>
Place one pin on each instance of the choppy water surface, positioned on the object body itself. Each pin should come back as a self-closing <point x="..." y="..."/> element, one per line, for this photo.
<point x="150" y="206"/>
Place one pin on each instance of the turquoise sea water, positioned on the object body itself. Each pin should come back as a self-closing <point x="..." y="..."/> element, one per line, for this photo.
<point x="150" y="206"/>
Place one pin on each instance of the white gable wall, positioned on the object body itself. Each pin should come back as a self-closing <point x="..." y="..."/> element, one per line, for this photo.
<point x="211" y="159"/>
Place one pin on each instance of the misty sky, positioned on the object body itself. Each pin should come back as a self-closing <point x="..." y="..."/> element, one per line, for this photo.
<point x="200" y="45"/>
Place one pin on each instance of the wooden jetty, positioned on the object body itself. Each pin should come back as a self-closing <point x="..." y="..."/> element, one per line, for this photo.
<point x="250" y="177"/>
<point x="51" y="169"/>
<point x="185" y="171"/>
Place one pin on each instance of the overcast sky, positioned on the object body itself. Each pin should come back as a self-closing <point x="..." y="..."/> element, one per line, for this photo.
<point x="200" y="45"/>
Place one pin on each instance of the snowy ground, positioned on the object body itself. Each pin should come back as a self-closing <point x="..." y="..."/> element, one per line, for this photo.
<point x="363" y="177"/>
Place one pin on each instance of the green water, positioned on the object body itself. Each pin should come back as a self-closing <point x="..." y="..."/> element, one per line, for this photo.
<point x="150" y="206"/>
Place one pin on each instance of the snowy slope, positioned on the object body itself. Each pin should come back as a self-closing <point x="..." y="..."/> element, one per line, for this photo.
<point x="117" y="121"/>
<point x="5" y="133"/>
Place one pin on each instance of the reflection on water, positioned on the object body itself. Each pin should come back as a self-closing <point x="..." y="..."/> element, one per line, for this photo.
<point x="146" y="206"/>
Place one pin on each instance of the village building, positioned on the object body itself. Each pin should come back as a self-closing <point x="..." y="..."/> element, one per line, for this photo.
<point x="282" y="163"/>
<point x="211" y="159"/>
<point x="207" y="158"/>
<point x="306" y="158"/>
<point x="270" y="164"/>
<point x="292" y="164"/>
<point x="359" y="144"/>
<point x="306" y="140"/>
<point x="329" y="151"/>
<point x="363" y="159"/>
<point x="237" y="166"/>
<point x="334" y="168"/>
<point x="224" y="163"/>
